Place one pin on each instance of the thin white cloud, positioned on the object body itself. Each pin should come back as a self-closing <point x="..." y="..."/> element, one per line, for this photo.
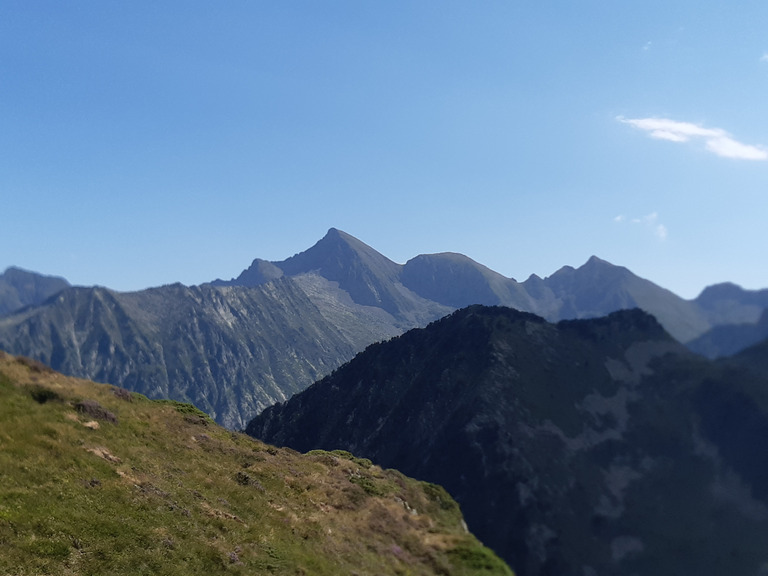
<point x="649" y="221"/>
<point x="764" y="57"/>
<point x="716" y="140"/>
<point x="727" y="147"/>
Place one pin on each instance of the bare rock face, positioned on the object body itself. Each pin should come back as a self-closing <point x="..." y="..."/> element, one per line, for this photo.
<point x="596" y="446"/>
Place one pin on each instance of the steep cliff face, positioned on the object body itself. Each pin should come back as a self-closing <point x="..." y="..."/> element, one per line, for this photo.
<point x="583" y="447"/>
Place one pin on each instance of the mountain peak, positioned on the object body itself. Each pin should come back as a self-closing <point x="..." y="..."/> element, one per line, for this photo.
<point x="595" y="261"/>
<point x="722" y="291"/>
<point x="19" y="288"/>
<point x="335" y="249"/>
<point x="336" y="233"/>
<point x="364" y="273"/>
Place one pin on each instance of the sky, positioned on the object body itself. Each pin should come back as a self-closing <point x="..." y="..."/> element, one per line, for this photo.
<point x="144" y="143"/>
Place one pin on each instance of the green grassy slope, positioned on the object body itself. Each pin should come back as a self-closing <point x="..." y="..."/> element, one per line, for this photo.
<point x="97" y="480"/>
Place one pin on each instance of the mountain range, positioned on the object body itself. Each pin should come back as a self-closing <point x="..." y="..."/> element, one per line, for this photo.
<point x="235" y="347"/>
<point x="592" y="447"/>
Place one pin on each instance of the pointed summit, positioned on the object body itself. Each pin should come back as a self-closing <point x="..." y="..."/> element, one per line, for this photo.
<point x="589" y="283"/>
<point x="334" y="252"/>
<point x="368" y="276"/>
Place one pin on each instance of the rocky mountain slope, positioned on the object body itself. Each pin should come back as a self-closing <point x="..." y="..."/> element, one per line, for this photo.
<point x="598" y="446"/>
<point x="229" y="351"/>
<point x="234" y="347"/>
<point x="97" y="480"/>
<point x="20" y="288"/>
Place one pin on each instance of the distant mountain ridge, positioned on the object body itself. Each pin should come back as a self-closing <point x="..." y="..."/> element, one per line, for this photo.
<point x="594" y="446"/>
<point x="454" y="281"/>
<point x="234" y="347"/>
<point x="20" y="288"/>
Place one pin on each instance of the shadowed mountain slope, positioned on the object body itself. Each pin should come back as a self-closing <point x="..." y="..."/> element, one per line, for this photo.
<point x="596" y="446"/>
<point x="97" y="480"/>
<point x="754" y="358"/>
<point x="728" y="339"/>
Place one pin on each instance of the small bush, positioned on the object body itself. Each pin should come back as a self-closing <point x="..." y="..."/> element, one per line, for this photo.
<point x="437" y="494"/>
<point x="95" y="410"/>
<point x="41" y="394"/>
<point x="477" y="558"/>
<point x="371" y="488"/>
<point x="247" y="480"/>
<point x="362" y="462"/>
<point x="323" y="457"/>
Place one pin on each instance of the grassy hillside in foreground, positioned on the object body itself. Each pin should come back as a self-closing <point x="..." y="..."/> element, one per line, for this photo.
<point x="97" y="480"/>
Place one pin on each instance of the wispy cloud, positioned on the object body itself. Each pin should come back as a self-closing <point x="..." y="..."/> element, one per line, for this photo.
<point x="764" y="57"/>
<point x="649" y="221"/>
<point x="716" y="140"/>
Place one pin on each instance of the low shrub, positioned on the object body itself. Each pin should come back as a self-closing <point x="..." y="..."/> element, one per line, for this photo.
<point x="41" y="394"/>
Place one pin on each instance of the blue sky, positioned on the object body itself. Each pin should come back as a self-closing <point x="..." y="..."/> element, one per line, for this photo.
<point x="143" y="143"/>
